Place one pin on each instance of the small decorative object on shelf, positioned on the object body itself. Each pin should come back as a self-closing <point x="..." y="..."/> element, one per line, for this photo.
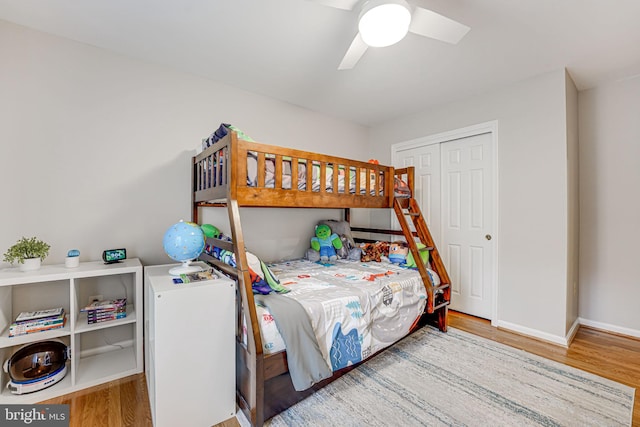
<point x="102" y="311"/>
<point x="184" y="242"/>
<point x="73" y="259"/>
<point x="111" y="256"/>
<point x="28" y="252"/>
<point x="36" y="366"/>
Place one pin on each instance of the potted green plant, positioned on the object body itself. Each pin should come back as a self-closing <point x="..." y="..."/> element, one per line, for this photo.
<point x="28" y="252"/>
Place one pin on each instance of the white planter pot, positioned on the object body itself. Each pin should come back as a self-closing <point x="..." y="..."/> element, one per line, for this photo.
<point x="30" y="264"/>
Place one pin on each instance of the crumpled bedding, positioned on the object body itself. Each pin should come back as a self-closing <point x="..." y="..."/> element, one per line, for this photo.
<point x="401" y="189"/>
<point x="355" y="308"/>
<point x="304" y="358"/>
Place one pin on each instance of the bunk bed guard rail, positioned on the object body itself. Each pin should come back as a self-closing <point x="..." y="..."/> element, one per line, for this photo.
<point x="256" y="174"/>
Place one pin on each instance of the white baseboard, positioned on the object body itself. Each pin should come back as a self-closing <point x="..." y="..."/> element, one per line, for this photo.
<point x="555" y="339"/>
<point x="610" y="328"/>
<point x="565" y="341"/>
<point x="573" y="330"/>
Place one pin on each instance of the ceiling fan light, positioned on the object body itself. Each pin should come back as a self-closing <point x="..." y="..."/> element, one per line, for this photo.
<point x="383" y="23"/>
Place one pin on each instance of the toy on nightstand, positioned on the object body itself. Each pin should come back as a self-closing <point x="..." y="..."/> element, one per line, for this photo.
<point x="326" y="243"/>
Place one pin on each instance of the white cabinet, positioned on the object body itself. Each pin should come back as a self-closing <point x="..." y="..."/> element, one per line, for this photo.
<point x="189" y="349"/>
<point x="99" y="352"/>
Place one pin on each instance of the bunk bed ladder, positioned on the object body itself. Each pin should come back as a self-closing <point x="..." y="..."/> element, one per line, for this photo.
<point x="438" y="297"/>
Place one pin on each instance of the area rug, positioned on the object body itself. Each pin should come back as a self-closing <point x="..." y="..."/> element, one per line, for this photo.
<point x="458" y="379"/>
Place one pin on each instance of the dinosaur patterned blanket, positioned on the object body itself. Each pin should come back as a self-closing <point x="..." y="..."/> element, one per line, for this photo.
<point x="355" y="308"/>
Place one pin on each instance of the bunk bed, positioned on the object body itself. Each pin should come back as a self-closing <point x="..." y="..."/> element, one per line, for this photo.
<point x="237" y="172"/>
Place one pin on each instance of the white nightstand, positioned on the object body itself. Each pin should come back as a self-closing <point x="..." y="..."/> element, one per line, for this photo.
<point x="189" y="349"/>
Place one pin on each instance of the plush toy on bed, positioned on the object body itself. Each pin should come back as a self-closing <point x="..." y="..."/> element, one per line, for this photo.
<point x="374" y="251"/>
<point x="424" y="255"/>
<point x="326" y="243"/>
<point x="398" y="252"/>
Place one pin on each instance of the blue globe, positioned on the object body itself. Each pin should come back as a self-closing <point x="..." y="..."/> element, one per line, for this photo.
<point x="183" y="241"/>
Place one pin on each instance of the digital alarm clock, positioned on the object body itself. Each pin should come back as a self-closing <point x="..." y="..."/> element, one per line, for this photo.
<point x="114" y="255"/>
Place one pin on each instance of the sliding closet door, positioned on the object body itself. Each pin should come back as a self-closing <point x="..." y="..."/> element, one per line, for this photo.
<point x="454" y="187"/>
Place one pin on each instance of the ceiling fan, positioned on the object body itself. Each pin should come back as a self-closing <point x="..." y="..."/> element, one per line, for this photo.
<point x="386" y="22"/>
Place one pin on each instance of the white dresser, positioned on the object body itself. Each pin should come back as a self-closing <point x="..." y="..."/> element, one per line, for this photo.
<point x="189" y="349"/>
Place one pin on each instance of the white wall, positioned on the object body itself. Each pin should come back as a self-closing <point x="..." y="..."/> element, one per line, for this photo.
<point x="610" y="206"/>
<point x="532" y="191"/>
<point x="95" y="148"/>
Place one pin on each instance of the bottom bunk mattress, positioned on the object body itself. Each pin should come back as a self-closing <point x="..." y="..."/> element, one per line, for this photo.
<point x="354" y="309"/>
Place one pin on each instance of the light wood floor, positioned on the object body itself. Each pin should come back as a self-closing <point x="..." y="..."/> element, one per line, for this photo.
<point x="125" y="403"/>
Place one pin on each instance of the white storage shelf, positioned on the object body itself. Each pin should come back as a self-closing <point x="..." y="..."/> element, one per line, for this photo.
<point x="100" y="352"/>
<point x="190" y="349"/>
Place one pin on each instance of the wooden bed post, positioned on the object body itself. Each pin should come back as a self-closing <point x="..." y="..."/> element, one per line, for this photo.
<point x="194" y="204"/>
<point x="249" y="357"/>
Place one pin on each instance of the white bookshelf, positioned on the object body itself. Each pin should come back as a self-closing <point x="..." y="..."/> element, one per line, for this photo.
<point x="99" y="352"/>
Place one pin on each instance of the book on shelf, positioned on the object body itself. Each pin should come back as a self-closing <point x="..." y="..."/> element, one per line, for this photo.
<point x="106" y="319"/>
<point x="16" y="329"/>
<point x="112" y="315"/>
<point x="106" y="310"/>
<point x="26" y="316"/>
<point x="43" y="322"/>
<point x="37" y="320"/>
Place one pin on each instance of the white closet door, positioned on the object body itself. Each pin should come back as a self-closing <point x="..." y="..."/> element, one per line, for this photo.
<point x="426" y="160"/>
<point x="467" y="222"/>
<point x="454" y="187"/>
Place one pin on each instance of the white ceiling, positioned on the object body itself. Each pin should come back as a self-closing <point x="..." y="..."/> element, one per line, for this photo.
<point x="290" y="49"/>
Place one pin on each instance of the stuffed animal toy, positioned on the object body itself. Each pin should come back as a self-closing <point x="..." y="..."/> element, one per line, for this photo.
<point x="398" y="252"/>
<point x="326" y="243"/>
<point x="374" y="251"/>
<point x="348" y="250"/>
<point x="424" y="255"/>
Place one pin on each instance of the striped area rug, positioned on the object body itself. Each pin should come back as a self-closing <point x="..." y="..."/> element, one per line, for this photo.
<point x="458" y="379"/>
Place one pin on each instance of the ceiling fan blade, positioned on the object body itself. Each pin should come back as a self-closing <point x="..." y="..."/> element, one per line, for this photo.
<point x="338" y="4"/>
<point x="431" y="24"/>
<point x="354" y="53"/>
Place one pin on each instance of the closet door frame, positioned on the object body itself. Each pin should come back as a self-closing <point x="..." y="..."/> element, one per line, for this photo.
<point x="440" y="138"/>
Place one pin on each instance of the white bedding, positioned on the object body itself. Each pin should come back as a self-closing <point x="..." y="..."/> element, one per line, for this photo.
<point x="355" y="308"/>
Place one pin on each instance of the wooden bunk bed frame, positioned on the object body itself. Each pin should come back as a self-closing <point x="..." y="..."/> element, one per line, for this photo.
<point x="263" y="385"/>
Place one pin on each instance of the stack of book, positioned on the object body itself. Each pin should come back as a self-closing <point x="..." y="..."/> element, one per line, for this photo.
<point x="102" y="311"/>
<point x="29" y="322"/>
